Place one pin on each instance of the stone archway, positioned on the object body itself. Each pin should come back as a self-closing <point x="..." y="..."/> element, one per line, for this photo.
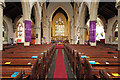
<point x="115" y="31"/>
<point x="36" y="27"/>
<point x="60" y="13"/>
<point x="84" y="16"/>
<point x="67" y="7"/>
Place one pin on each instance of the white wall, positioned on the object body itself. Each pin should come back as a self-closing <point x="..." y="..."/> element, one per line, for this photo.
<point x="10" y="27"/>
<point x="53" y="6"/>
<point x="111" y="22"/>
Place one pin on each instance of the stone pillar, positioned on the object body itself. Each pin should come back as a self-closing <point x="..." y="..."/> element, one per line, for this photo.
<point x="82" y="24"/>
<point x="38" y="35"/>
<point x="44" y="35"/>
<point x="93" y="33"/>
<point x="74" y="36"/>
<point x="118" y="7"/>
<point x="26" y="43"/>
<point x="26" y="16"/>
<point x="119" y="28"/>
<point x="93" y="17"/>
<point x="82" y="35"/>
<point x="48" y="31"/>
<point x="1" y="25"/>
<point x="69" y="31"/>
<point x="38" y="25"/>
<point x="44" y="21"/>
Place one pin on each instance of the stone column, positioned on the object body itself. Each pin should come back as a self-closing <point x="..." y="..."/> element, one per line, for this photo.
<point x="82" y="24"/>
<point x="118" y="7"/>
<point x="26" y="16"/>
<point x="94" y="33"/>
<point x="82" y="35"/>
<point x="38" y="26"/>
<point x="44" y="20"/>
<point x="38" y="35"/>
<point x="1" y="25"/>
<point x="50" y="30"/>
<point x="44" y="35"/>
<point x="76" y="33"/>
<point x="72" y="36"/>
<point x="93" y="17"/>
<point x="26" y="43"/>
<point x="69" y="31"/>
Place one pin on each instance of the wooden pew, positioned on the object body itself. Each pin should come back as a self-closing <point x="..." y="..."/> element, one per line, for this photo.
<point x="79" y="68"/>
<point x="95" y="55"/>
<point x="88" y="70"/>
<point x="104" y="75"/>
<point x="40" y="67"/>
<point x="22" y="63"/>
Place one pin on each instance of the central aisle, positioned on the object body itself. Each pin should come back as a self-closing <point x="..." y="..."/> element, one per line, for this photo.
<point x="60" y="71"/>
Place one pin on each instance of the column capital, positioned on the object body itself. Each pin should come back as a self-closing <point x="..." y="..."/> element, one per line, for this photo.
<point x="44" y="27"/>
<point x="118" y="5"/>
<point x="41" y="4"/>
<point x="2" y="4"/>
<point x="37" y="28"/>
<point x="79" y="4"/>
<point x="82" y="27"/>
<point x="70" y="21"/>
<point x="74" y="26"/>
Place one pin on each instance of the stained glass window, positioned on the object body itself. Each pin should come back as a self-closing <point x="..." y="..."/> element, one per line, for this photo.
<point x="100" y="34"/>
<point x="19" y="30"/>
<point x="4" y="29"/>
<point x="59" y="28"/>
<point x="116" y="33"/>
<point x="19" y="33"/>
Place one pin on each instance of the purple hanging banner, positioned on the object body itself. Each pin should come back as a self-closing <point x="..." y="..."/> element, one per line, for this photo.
<point x="92" y="31"/>
<point x="27" y="31"/>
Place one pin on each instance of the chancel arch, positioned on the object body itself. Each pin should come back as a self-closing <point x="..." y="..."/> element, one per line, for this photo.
<point x="67" y="7"/>
<point x="60" y="26"/>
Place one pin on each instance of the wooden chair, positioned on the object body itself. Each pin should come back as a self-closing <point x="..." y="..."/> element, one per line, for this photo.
<point x="103" y="75"/>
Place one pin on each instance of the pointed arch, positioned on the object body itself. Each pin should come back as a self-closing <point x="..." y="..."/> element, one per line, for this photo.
<point x="67" y="7"/>
<point x="56" y="10"/>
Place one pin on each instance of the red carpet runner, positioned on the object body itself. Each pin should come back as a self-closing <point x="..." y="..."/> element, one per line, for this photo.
<point x="60" y="71"/>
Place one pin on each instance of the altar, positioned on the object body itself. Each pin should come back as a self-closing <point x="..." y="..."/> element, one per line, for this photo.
<point x="60" y="39"/>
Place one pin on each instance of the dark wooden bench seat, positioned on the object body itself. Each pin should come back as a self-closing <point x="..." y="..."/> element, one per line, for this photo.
<point x="99" y="54"/>
<point x="21" y="59"/>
